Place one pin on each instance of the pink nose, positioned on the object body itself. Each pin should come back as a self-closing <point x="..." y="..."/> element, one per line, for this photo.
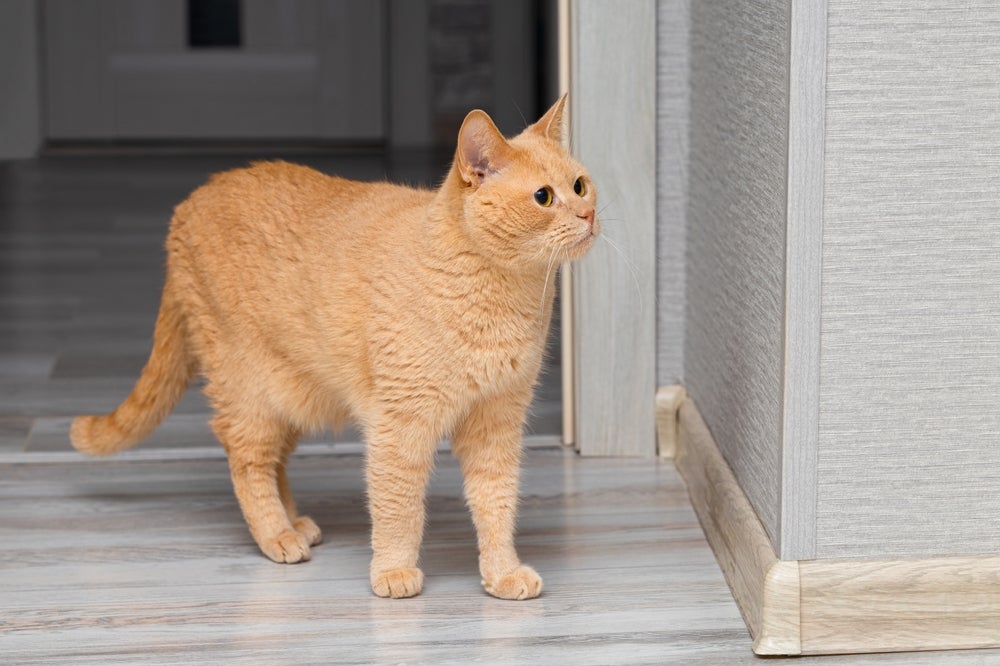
<point x="588" y="215"/>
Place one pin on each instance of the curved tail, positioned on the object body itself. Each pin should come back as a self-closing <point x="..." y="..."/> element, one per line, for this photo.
<point x="163" y="381"/>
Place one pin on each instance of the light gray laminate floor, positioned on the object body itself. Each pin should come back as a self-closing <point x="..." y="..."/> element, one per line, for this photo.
<point x="138" y="561"/>
<point x="145" y="558"/>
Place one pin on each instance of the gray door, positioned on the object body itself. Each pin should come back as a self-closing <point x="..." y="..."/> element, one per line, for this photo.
<point x="264" y="69"/>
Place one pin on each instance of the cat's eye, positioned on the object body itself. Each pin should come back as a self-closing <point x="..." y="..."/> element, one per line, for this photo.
<point x="580" y="187"/>
<point x="544" y="196"/>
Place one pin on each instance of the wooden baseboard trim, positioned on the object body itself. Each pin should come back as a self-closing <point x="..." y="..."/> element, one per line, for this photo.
<point x="832" y="606"/>
<point x="668" y="403"/>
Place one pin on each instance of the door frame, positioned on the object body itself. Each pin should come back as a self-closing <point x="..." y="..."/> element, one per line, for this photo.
<point x="608" y="65"/>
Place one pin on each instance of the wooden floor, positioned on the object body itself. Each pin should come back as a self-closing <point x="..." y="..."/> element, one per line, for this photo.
<point x="145" y="558"/>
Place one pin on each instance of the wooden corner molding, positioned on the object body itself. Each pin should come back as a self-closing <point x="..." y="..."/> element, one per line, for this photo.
<point x="832" y="606"/>
<point x="668" y="402"/>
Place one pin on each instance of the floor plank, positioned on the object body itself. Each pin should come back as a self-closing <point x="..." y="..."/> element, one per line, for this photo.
<point x="149" y="562"/>
<point x="119" y="560"/>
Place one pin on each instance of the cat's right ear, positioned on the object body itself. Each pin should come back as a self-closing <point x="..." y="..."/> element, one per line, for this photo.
<point x="482" y="149"/>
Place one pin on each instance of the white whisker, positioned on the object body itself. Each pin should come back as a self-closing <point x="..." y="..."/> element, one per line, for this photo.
<point x="631" y="267"/>
<point x="545" y="289"/>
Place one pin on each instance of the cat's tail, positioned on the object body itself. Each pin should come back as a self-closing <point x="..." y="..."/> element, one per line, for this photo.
<point x="163" y="381"/>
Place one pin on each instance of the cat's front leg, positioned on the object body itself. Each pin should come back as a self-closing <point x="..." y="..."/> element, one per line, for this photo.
<point x="400" y="456"/>
<point x="488" y="445"/>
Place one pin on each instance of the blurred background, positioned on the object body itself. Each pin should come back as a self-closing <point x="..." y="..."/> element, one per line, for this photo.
<point x="386" y="73"/>
<point x="112" y="111"/>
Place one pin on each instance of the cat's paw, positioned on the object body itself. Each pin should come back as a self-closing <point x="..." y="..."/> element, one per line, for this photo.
<point x="305" y="526"/>
<point x="398" y="583"/>
<point x="521" y="583"/>
<point x="288" y="547"/>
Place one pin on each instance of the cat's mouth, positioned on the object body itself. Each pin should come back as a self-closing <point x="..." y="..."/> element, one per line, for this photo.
<point x="582" y="245"/>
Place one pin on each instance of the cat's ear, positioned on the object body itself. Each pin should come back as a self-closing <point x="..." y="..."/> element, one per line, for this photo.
<point x="551" y="125"/>
<point x="482" y="150"/>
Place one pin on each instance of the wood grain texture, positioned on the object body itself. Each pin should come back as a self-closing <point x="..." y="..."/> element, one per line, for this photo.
<point x="614" y="49"/>
<point x="737" y="196"/>
<point x="765" y="588"/>
<point x="909" y="462"/>
<point x="149" y="562"/>
<point x="673" y="25"/>
<point x="882" y="605"/>
<point x="668" y="403"/>
<point x="566" y="317"/>
<point x="127" y="562"/>
<point x="833" y="606"/>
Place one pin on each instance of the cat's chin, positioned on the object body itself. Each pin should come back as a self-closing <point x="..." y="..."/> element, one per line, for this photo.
<point x="577" y="249"/>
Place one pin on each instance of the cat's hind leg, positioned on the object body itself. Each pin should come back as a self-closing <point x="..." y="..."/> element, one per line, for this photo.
<point x="257" y="449"/>
<point x="304" y="525"/>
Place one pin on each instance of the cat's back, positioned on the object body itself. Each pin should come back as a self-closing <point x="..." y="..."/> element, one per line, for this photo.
<point x="267" y="202"/>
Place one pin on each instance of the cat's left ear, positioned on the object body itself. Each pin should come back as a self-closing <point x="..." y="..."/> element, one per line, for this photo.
<point x="482" y="150"/>
<point x="551" y="124"/>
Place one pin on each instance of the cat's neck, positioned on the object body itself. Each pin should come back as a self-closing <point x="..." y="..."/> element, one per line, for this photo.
<point x="449" y="237"/>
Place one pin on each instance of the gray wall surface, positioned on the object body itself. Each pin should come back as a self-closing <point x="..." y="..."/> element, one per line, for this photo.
<point x="20" y="125"/>
<point x="909" y="439"/>
<point x="734" y="338"/>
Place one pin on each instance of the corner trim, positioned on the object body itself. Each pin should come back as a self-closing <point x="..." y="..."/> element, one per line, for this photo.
<point x="668" y="401"/>
<point x="796" y="536"/>
<point x="832" y="606"/>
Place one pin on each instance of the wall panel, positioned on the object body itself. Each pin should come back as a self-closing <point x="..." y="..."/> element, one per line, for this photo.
<point x="909" y="438"/>
<point x="737" y="194"/>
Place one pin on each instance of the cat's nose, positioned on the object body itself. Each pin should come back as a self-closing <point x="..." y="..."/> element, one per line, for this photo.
<point x="588" y="215"/>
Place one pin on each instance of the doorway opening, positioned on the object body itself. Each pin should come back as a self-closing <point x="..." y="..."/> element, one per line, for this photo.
<point x="145" y="100"/>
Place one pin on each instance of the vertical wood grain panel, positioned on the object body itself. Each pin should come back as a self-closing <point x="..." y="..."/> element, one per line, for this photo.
<point x="614" y="134"/>
<point x="566" y="317"/>
<point x="909" y="455"/>
<point x="737" y="196"/>
<point x="672" y="101"/>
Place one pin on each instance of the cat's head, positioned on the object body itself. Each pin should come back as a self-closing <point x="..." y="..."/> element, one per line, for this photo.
<point x="526" y="200"/>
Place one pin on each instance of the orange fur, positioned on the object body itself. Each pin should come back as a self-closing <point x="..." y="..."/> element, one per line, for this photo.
<point x="306" y="300"/>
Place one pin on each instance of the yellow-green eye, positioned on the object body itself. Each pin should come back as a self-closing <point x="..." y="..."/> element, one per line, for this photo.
<point x="544" y="196"/>
<point x="580" y="187"/>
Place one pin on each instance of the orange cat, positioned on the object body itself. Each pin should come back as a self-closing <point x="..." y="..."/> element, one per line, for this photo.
<point x="306" y="300"/>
